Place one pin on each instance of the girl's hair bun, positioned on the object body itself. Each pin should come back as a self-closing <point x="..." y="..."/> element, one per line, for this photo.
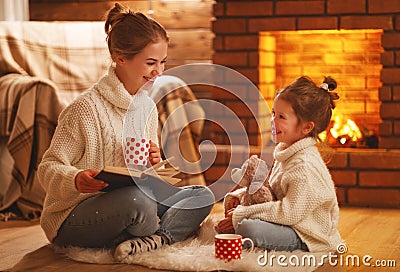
<point x="332" y="85"/>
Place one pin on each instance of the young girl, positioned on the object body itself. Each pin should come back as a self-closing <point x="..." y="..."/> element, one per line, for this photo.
<point x="305" y="215"/>
<point x="89" y="137"/>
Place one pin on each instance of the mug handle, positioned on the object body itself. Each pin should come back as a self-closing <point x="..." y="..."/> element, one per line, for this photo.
<point x="244" y="240"/>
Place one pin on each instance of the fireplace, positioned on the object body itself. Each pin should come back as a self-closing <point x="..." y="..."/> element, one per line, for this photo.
<point x="352" y="57"/>
<point x="368" y="74"/>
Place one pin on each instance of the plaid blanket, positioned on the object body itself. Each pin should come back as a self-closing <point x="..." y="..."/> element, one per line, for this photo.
<point x="29" y="108"/>
<point x="43" y="66"/>
<point x="73" y="55"/>
<point x="180" y="127"/>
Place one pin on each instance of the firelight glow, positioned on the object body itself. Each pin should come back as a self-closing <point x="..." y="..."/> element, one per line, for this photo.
<point x="345" y="126"/>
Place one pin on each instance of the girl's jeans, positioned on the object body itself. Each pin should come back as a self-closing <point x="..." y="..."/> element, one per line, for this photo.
<point x="107" y="219"/>
<point x="270" y="236"/>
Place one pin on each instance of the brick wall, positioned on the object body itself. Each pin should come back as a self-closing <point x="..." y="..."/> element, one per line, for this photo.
<point x="366" y="178"/>
<point x="362" y="177"/>
<point x="237" y="25"/>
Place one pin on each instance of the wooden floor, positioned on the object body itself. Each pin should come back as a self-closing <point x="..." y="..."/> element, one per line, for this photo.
<point x="374" y="232"/>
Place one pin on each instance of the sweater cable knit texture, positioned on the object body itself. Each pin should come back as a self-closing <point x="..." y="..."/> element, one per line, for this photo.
<point x="89" y="135"/>
<point x="306" y="197"/>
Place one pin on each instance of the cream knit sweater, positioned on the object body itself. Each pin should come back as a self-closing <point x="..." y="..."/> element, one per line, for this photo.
<point x="306" y="198"/>
<point x="89" y="135"/>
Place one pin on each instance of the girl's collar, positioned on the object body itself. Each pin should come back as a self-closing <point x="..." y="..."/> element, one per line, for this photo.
<point x="283" y="152"/>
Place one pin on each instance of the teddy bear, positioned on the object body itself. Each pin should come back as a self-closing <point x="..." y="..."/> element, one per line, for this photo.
<point x="253" y="175"/>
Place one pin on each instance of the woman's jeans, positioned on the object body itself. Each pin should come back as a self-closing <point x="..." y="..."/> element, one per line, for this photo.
<point x="107" y="219"/>
<point x="270" y="236"/>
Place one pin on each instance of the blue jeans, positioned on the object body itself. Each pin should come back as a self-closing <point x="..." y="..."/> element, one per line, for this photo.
<point x="270" y="236"/>
<point x="107" y="219"/>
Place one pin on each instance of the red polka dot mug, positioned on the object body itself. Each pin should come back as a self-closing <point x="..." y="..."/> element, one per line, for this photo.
<point x="228" y="247"/>
<point x="136" y="151"/>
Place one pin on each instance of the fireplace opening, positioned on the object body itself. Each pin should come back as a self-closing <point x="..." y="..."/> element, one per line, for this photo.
<point x="352" y="57"/>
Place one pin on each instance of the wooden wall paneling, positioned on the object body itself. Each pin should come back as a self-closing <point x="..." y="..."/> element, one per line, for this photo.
<point x="171" y="14"/>
<point x="188" y="46"/>
<point x="71" y="11"/>
<point x="188" y="22"/>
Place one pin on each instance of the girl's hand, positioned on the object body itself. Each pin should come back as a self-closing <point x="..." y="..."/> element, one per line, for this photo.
<point x="154" y="153"/>
<point x="85" y="183"/>
<point x="232" y="204"/>
<point x="226" y="225"/>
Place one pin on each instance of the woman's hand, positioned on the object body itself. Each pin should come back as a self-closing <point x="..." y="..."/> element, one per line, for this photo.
<point x="154" y="153"/>
<point x="85" y="183"/>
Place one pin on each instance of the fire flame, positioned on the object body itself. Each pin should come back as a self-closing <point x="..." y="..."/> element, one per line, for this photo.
<point x="345" y="130"/>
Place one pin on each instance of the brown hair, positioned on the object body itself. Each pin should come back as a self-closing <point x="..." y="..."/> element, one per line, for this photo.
<point x="129" y="32"/>
<point x="310" y="102"/>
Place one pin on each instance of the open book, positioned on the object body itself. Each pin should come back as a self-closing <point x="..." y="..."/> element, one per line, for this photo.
<point x="118" y="177"/>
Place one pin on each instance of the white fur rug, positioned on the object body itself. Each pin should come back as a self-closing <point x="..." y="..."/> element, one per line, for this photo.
<point x="197" y="254"/>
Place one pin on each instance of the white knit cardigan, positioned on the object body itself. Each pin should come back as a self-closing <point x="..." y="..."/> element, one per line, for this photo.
<point x="89" y="135"/>
<point x="306" y="197"/>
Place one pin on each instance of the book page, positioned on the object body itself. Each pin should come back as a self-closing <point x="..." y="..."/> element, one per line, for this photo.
<point x="165" y="174"/>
